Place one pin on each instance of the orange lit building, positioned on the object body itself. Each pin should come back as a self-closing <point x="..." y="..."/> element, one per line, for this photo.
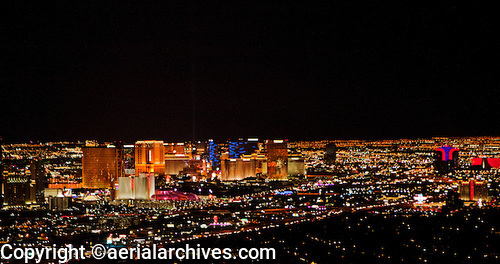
<point x="277" y="160"/>
<point x="149" y="157"/>
<point x="174" y="148"/>
<point x="102" y="166"/>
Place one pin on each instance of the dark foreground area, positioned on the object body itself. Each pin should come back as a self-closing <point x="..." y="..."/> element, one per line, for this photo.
<point x="397" y="236"/>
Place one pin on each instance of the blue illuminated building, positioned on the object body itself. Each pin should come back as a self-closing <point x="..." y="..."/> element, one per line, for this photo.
<point x="213" y="154"/>
<point x="236" y="148"/>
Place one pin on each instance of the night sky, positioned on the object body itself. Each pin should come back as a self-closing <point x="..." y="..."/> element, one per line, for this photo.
<point x="331" y="71"/>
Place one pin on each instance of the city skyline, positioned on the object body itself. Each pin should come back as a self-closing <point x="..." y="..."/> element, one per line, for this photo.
<point x="307" y="201"/>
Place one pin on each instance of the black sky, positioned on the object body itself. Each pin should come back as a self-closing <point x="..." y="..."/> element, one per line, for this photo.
<point x="336" y="70"/>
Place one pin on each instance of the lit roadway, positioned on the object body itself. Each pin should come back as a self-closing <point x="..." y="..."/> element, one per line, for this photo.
<point x="198" y="223"/>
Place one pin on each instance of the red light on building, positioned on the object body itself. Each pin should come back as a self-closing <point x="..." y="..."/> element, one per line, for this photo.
<point x="485" y="163"/>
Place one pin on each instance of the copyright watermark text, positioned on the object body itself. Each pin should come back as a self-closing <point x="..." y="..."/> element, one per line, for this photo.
<point x="99" y="251"/>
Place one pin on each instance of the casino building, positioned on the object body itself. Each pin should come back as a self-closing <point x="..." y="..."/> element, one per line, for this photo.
<point x="446" y="159"/>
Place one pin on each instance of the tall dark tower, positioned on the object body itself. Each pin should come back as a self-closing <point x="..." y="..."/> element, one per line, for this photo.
<point x="37" y="184"/>
<point x="330" y="153"/>
<point x="446" y="159"/>
<point x="251" y="146"/>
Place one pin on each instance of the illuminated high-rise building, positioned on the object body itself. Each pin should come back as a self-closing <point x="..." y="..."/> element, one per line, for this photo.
<point x="446" y="159"/>
<point x="213" y="155"/>
<point x="473" y="190"/>
<point x="277" y="160"/>
<point x="174" y="148"/>
<point x="296" y="166"/>
<point x="102" y="165"/>
<point x="201" y="148"/>
<point x="149" y="157"/>
<point x="238" y="169"/>
<point x="175" y="163"/>
<point x="128" y="157"/>
<point x="17" y="189"/>
<point x="240" y="147"/>
<point x="176" y="158"/>
<point x="140" y="187"/>
<point x="25" y="186"/>
<point x="236" y="148"/>
<point x="260" y="162"/>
